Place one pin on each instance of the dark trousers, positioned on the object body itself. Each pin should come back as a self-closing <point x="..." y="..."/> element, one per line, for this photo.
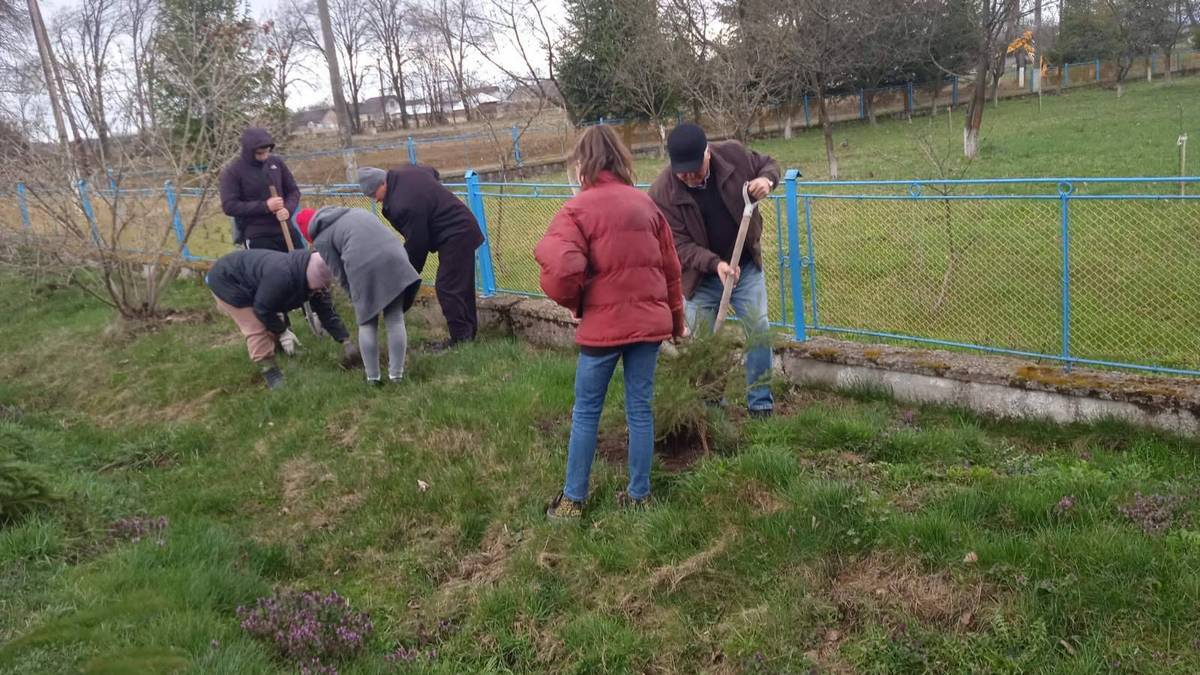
<point x="455" y="286"/>
<point x="275" y="242"/>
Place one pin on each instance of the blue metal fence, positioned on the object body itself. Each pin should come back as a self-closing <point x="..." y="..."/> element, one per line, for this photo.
<point x="1096" y="271"/>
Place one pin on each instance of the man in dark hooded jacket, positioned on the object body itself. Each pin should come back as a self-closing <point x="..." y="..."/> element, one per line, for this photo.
<point x="246" y="184"/>
<point x="432" y="220"/>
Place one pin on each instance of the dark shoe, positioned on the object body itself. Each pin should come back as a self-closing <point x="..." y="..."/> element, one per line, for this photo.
<point x="438" y="346"/>
<point x="564" y="510"/>
<point x="765" y="413"/>
<point x="274" y="377"/>
<point x="375" y="384"/>
<point x="624" y="501"/>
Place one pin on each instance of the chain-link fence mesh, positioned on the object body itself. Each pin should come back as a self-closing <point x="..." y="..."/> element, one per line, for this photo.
<point x="1135" y="280"/>
<point x="966" y="263"/>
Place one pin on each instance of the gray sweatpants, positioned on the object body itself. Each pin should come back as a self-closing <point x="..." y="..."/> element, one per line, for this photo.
<point x="397" y="338"/>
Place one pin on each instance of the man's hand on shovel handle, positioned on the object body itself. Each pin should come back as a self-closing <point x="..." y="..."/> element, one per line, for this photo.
<point x="282" y="215"/>
<point x="274" y="204"/>
<point x="759" y="188"/>
<point x="725" y="271"/>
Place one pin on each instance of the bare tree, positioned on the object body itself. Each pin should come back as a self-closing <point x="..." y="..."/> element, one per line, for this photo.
<point x="388" y="28"/>
<point x="453" y="26"/>
<point x="138" y="23"/>
<point x="651" y="78"/>
<point x="993" y="19"/>
<point x="825" y="35"/>
<point x="286" y="42"/>
<point x="86" y="39"/>
<point x="349" y="26"/>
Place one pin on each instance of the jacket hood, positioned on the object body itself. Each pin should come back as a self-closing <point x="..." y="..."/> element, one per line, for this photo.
<point x="324" y="219"/>
<point x="253" y="139"/>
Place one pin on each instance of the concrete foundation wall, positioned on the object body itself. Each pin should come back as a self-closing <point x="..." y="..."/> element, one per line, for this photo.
<point x="990" y="385"/>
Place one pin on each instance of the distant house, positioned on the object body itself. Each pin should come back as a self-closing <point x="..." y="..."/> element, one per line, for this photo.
<point x="527" y="94"/>
<point x="315" y="121"/>
<point x="379" y="110"/>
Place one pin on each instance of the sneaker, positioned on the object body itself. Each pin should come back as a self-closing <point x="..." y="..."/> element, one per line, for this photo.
<point x="274" y="377"/>
<point x="375" y="384"/>
<point x="765" y="413"/>
<point x="624" y="501"/>
<point x="562" y="509"/>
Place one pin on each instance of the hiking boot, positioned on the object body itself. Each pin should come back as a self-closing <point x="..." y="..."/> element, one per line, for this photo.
<point x="564" y="510"/>
<point x="624" y="501"/>
<point x="274" y="377"/>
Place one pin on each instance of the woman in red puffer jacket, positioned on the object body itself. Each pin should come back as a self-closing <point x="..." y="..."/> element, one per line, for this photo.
<point x="608" y="256"/>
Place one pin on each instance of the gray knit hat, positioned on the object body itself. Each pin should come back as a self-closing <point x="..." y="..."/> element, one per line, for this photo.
<point x="370" y="178"/>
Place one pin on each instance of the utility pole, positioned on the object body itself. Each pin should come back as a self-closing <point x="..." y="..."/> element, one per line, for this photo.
<point x="339" y="100"/>
<point x="56" y="104"/>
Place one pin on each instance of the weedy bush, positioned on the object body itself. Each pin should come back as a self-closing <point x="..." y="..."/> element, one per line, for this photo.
<point x="309" y="629"/>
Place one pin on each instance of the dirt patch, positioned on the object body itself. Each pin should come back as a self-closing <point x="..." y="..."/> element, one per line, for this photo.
<point x="892" y="590"/>
<point x="450" y="442"/>
<point x="676" y="453"/>
<point x="760" y="497"/>
<point x="299" y="477"/>
<point x="486" y="565"/>
<point x="670" y="576"/>
<point x="342" y="429"/>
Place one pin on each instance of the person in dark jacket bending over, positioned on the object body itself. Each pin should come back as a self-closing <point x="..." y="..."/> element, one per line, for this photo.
<point x="432" y="219"/>
<point x="700" y="194"/>
<point x="254" y="287"/>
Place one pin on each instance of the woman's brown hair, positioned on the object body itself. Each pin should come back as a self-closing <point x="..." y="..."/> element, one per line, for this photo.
<point x="600" y="149"/>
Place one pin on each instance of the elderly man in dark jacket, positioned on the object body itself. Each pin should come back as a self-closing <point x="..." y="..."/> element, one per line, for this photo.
<point x="254" y="287"/>
<point x="700" y="193"/>
<point x="371" y="264"/>
<point x="433" y="220"/>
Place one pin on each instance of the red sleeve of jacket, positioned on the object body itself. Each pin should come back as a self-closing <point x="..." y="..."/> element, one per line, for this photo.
<point x="672" y="271"/>
<point x="562" y="256"/>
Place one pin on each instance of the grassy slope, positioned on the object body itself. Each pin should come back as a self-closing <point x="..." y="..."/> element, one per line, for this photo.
<point x="836" y="535"/>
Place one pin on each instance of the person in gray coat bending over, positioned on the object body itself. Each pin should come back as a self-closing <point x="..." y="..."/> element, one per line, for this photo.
<point x="372" y="266"/>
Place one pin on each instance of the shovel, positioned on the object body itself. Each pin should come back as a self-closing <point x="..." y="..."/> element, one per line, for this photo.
<point x="747" y="213"/>
<point x="313" y="322"/>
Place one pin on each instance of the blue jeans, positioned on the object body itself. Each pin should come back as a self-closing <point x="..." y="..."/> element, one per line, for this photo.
<point x="749" y="301"/>
<point x="592" y="376"/>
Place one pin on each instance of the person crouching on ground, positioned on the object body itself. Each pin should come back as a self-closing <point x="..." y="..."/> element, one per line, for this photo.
<point x="372" y="266"/>
<point x="608" y="256"/>
<point x="433" y="220"/>
<point x="254" y="287"/>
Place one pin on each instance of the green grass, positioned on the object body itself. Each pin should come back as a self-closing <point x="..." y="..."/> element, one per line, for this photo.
<point x="832" y="537"/>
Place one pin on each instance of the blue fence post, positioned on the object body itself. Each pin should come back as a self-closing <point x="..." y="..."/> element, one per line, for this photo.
<point x="783" y="260"/>
<point x="1153" y="63"/>
<point x="1097" y="70"/>
<point x="1066" y="75"/>
<point x="862" y="105"/>
<point x="86" y="202"/>
<point x="24" y="205"/>
<point x="412" y="151"/>
<point x="487" y="272"/>
<point x="793" y="219"/>
<point x="954" y="92"/>
<point x="807" y="118"/>
<point x="1064" y="196"/>
<point x="177" y="219"/>
<point x="911" y="107"/>
<point x="516" y="145"/>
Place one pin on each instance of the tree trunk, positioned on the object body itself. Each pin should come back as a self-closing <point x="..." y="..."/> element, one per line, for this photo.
<point x="827" y="130"/>
<point x="1167" y="60"/>
<point x="402" y="94"/>
<point x="869" y="103"/>
<point x="789" y="120"/>
<point x="935" y="92"/>
<point x="335" y="84"/>
<point x="974" y="117"/>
